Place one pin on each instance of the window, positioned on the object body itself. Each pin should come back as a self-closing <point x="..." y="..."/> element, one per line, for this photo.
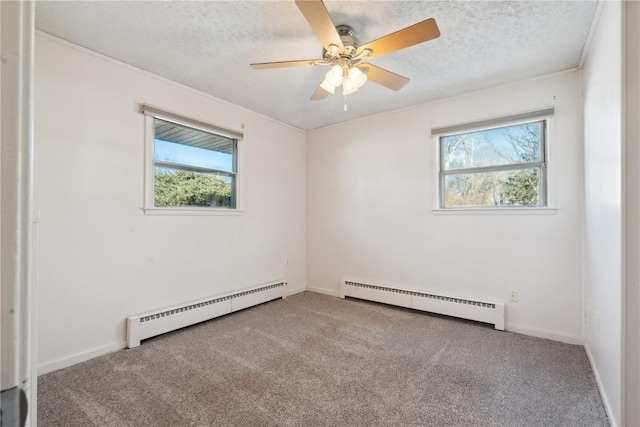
<point x="496" y="167"/>
<point x="190" y="165"/>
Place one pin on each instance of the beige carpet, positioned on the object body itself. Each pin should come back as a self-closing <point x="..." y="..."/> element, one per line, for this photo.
<point x="315" y="360"/>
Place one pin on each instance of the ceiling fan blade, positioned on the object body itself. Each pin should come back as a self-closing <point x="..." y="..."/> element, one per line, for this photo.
<point x="415" y="34"/>
<point x="319" y="94"/>
<point x="284" y="64"/>
<point x="384" y="77"/>
<point x="317" y="15"/>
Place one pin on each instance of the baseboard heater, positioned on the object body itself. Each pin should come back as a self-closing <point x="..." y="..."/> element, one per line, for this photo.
<point x="147" y="325"/>
<point x="481" y="311"/>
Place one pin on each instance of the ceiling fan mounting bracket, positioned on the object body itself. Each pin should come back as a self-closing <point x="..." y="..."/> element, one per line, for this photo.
<point x="345" y="30"/>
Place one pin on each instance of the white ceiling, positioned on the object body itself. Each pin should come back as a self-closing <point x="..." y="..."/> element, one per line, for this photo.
<point x="208" y="45"/>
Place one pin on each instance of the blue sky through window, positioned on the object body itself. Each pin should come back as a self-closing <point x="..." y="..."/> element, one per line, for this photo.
<point x="192" y="156"/>
<point x="498" y="146"/>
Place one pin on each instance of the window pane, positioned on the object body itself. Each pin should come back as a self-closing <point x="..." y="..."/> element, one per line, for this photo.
<point x="179" y="144"/>
<point x="500" y="188"/>
<point x="175" y="187"/>
<point x="493" y="147"/>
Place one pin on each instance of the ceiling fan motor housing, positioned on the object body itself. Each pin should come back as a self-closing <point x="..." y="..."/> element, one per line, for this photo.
<point x="350" y="42"/>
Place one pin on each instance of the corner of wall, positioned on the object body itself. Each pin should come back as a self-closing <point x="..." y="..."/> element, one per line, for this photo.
<point x="605" y="399"/>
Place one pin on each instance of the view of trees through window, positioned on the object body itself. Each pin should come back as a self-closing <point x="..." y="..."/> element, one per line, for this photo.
<point x="193" y="167"/>
<point x="496" y="167"/>
<point x="186" y="188"/>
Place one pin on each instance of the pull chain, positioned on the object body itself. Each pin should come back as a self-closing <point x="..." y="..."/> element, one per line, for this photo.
<point x="345" y="103"/>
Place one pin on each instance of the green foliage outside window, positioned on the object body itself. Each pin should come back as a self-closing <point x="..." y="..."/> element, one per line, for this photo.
<point x="184" y="188"/>
<point x="521" y="189"/>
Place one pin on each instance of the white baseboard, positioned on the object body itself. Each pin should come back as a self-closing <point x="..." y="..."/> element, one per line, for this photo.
<point x="330" y="292"/>
<point x="297" y="290"/>
<point x="605" y="399"/>
<point x="65" y="362"/>
<point x="538" y="333"/>
<point x="541" y="333"/>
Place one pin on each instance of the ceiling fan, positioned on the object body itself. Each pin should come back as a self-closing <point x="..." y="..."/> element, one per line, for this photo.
<point x="343" y="52"/>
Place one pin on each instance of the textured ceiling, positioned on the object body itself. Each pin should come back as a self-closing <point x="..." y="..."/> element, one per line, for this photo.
<point x="209" y="46"/>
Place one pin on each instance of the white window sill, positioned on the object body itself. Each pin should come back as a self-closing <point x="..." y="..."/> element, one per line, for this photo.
<point x="495" y="211"/>
<point x="192" y="211"/>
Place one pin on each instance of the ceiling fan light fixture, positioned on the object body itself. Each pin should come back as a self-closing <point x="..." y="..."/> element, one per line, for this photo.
<point x="328" y="87"/>
<point x="353" y="80"/>
<point x="349" y="87"/>
<point x="334" y="76"/>
<point x="357" y="77"/>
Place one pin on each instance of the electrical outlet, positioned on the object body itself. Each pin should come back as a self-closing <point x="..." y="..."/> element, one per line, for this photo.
<point x="514" y="296"/>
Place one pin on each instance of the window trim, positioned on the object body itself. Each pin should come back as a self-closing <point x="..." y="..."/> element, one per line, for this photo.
<point x="149" y="208"/>
<point x="157" y="113"/>
<point x="515" y="119"/>
<point x="545" y="116"/>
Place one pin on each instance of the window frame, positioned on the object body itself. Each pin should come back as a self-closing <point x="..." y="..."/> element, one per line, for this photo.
<point x="149" y="208"/>
<point x="547" y="207"/>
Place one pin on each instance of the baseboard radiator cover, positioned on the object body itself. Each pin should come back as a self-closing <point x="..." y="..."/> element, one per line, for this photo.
<point x="150" y="324"/>
<point x="481" y="311"/>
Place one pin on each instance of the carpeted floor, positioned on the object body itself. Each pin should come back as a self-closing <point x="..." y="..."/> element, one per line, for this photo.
<point x="315" y="360"/>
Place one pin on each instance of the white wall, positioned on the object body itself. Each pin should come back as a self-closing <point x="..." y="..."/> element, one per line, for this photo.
<point x="602" y="89"/>
<point x="631" y="12"/>
<point x="371" y="190"/>
<point x="17" y="335"/>
<point x="100" y="258"/>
